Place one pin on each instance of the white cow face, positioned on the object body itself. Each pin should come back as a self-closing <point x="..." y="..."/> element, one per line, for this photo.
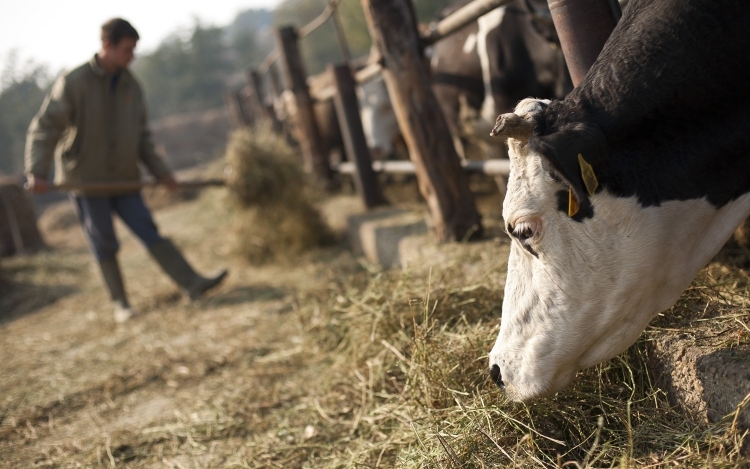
<point x="579" y="292"/>
<point x="378" y="118"/>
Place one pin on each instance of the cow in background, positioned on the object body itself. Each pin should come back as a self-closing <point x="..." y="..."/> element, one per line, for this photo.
<point x="491" y="64"/>
<point x="379" y="121"/>
<point x="378" y="118"/>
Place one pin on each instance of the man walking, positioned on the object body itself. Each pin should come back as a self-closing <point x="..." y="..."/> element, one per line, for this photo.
<point x="93" y="124"/>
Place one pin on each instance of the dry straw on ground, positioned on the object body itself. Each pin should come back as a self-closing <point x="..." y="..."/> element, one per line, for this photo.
<point x="275" y="219"/>
<point x="263" y="169"/>
<point x="326" y="364"/>
<point x="402" y="382"/>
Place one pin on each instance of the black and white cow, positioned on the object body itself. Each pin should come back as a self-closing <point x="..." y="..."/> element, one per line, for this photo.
<point x="620" y="193"/>
<point x="376" y="112"/>
<point x="488" y="66"/>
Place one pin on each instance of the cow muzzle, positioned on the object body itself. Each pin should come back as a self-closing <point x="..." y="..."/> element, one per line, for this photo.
<point x="496" y="376"/>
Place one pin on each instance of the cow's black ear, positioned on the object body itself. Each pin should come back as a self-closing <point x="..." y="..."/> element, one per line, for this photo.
<point x="574" y="153"/>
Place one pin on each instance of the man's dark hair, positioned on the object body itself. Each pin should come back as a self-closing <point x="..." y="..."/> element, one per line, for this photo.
<point x="116" y="29"/>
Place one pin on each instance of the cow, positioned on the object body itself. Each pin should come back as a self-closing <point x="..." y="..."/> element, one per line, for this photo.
<point x="622" y="191"/>
<point x="379" y="123"/>
<point x="488" y="66"/>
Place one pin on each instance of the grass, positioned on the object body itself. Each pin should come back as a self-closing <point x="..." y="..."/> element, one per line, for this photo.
<point x="327" y="363"/>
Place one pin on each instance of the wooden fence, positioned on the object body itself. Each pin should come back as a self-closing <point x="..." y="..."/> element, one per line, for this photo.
<point x="441" y="175"/>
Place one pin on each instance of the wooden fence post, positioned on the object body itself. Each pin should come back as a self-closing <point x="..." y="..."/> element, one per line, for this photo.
<point x="583" y="27"/>
<point x="350" y="122"/>
<point x="275" y="90"/>
<point x="249" y="115"/>
<point x="313" y="148"/>
<point x="442" y="181"/>
<point x="273" y="81"/>
<point x="256" y="94"/>
<point x="237" y="118"/>
<point x="265" y="111"/>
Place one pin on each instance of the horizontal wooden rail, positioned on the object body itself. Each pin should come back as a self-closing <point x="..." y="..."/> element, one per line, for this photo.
<point x="325" y="94"/>
<point x="320" y="20"/>
<point x="368" y="72"/>
<point x="460" y="18"/>
<point x="268" y="62"/>
<point x="494" y="167"/>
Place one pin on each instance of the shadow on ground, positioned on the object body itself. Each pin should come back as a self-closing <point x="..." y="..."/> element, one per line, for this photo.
<point x="20" y="298"/>
<point x="247" y="294"/>
<point x="732" y="254"/>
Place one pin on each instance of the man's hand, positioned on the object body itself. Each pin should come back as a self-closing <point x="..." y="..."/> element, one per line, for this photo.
<point x="36" y="184"/>
<point x="169" y="181"/>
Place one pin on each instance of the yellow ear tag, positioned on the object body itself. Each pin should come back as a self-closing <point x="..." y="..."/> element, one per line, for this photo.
<point x="572" y="203"/>
<point x="589" y="178"/>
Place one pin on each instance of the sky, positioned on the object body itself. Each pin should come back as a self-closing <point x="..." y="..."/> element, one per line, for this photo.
<point x="65" y="33"/>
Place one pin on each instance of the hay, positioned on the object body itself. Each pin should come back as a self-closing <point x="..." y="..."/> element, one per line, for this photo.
<point x="18" y="227"/>
<point x="279" y="232"/>
<point x="329" y="365"/>
<point x="263" y="168"/>
<point x="275" y="219"/>
<point x="406" y="357"/>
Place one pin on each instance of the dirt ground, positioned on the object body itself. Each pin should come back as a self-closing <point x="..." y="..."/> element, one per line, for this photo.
<point x="72" y="382"/>
<point x="77" y="390"/>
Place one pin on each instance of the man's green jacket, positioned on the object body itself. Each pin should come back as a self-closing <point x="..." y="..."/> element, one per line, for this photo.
<point x="95" y="127"/>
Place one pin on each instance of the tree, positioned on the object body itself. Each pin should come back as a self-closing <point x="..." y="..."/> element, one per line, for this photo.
<point x="319" y="48"/>
<point x="186" y="73"/>
<point x="251" y="38"/>
<point x="23" y="90"/>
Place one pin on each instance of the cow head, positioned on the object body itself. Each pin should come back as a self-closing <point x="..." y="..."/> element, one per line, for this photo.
<point x="378" y="118"/>
<point x="587" y="269"/>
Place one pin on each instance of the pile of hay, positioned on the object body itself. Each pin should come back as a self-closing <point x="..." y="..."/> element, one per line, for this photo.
<point x="276" y="220"/>
<point x="18" y="227"/>
<point x="399" y="379"/>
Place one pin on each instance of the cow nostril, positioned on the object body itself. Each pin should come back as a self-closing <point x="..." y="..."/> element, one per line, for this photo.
<point x="495" y="375"/>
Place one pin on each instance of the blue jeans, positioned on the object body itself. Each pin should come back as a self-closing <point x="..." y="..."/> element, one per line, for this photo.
<point x="95" y="215"/>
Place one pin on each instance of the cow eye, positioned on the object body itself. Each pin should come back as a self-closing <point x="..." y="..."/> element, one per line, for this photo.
<point x="524" y="233"/>
<point x="525" y="230"/>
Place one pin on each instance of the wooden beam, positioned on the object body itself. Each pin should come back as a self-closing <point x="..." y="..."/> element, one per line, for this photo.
<point x="494" y="167"/>
<point x="460" y="18"/>
<point x="232" y="106"/>
<point x="256" y="95"/>
<point x="583" y="27"/>
<point x="266" y="112"/>
<point x="350" y="123"/>
<point x="442" y="181"/>
<point x="314" y="150"/>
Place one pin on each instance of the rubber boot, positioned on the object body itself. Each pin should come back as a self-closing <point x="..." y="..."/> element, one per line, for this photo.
<point x="113" y="281"/>
<point x="172" y="262"/>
